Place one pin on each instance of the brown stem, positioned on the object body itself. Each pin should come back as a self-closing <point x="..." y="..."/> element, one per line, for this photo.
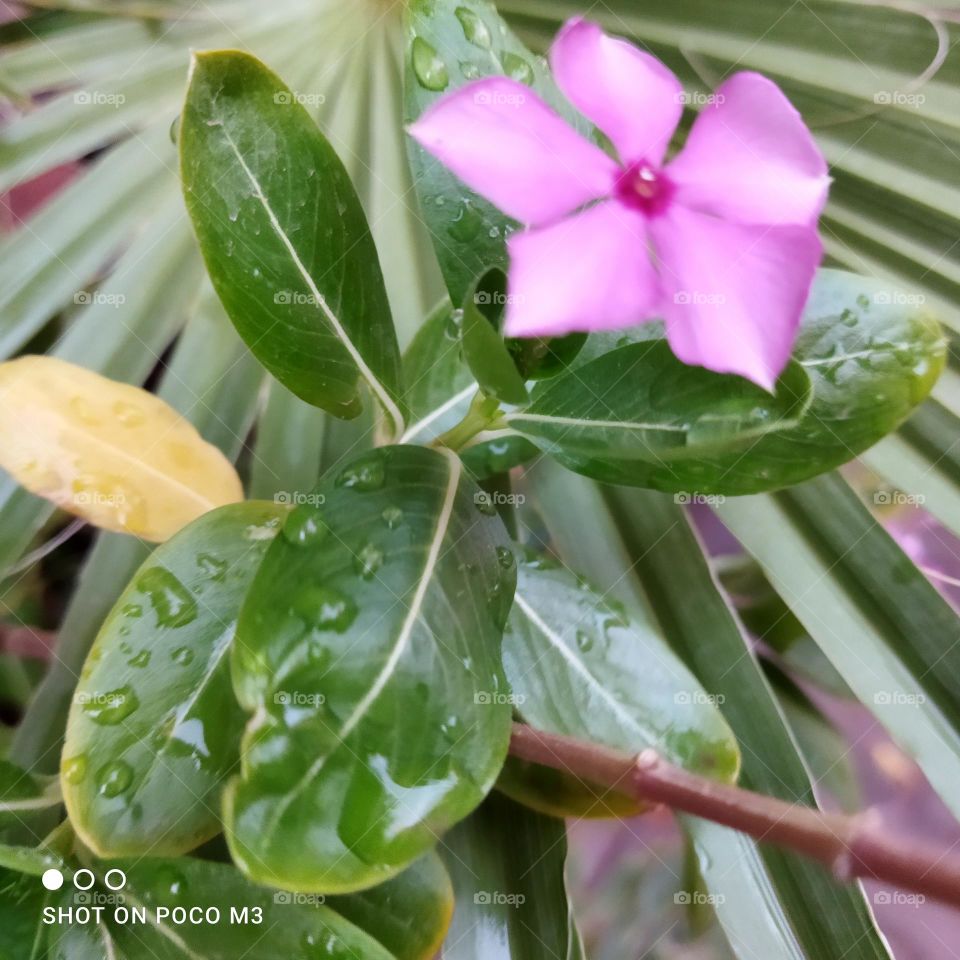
<point x="852" y="847"/>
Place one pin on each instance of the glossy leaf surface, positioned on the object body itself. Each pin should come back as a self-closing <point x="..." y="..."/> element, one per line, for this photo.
<point x="582" y="666"/>
<point x="409" y="914"/>
<point x="637" y="416"/>
<point x="284" y="237"/>
<point x="113" y="454"/>
<point x="154" y="729"/>
<point x="356" y="758"/>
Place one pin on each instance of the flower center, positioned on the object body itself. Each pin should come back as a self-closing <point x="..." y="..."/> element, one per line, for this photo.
<point x="644" y="187"/>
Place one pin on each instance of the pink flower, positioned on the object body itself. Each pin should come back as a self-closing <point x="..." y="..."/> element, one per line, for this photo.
<point x="721" y="242"/>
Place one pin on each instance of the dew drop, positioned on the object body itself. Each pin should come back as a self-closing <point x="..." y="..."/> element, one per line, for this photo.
<point x="466" y="224"/>
<point x="517" y="68"/>
<point x="142" y="659"/>
<point x="368" y="561"/>
<point x="584" y="641"/>
<point x="469" y="70"/>
<point x="863" y="301"/>
<point x="474" y="29"/>
<point x="304" y="526"/>
<point x="113" y="707"/>
<point x="74" y="770"/>
<point x="132" y="610"/>
<point x="212" y="567"/>
<point x="848" y="318"/>
<point x="392" y="517"/>
<point x="175" y="130"/>
<point x="451" y="329"/>
<point x="325" y="608"/>
<point x="430" y="70"/>
<point x="170" y="599"/>
<point x="505" y="557"/>
<point x="183" y="656"/>
<point x="114" y="777"/>
<point x="363" y="476"/>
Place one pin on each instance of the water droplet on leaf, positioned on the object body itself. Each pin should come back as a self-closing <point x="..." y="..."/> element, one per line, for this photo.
<point x="517" y="68"/>
<point x="304" y="526"/>
<point x="170" y="599"/>
<point x="474" y="29"/>
<point x="114" y="777"/>
<point x="325" y="608"/>
<point x="112" y="707"/>
<point x="429" y="68"/>
<point x="368" y="561"/>
<point x="364" y="476"/>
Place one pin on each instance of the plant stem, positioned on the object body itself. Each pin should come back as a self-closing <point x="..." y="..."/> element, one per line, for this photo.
<point x="852" y="846"/>
<point x="483" y="411"/>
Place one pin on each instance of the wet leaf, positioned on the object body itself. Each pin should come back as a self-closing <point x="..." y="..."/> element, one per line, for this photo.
<point x="368" y="654"/>
<point x="154" y="728"/>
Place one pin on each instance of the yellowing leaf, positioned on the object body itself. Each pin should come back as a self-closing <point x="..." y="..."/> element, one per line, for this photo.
<point x="113" y="454"/>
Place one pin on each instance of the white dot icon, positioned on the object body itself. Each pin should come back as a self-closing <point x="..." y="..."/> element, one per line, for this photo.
<point x="52" y="879"/>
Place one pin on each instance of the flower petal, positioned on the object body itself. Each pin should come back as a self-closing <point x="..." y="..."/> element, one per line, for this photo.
<point x="591" y="271"/>
<point x="734" y="293"/>
<point x="505" y="143"/>
<point x="631" y="96"/>
<point x="750" y="158"/>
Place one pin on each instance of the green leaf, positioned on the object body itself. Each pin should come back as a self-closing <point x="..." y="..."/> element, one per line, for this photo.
<point x="485" y="352"/>
<point x="440" y="387"/>
<point x="643" y="550"/>
<point x="452" y="42"/>
<point x="356" y="757"/>
<point x="409" y="914"/>
<point x="284" y="237"/>
<point x="507" y="866"/>
<point x="154" y="730"/>
<point x="905" y="663"/>
<point x="582" y="666"/>
<point x="637" y="416"/>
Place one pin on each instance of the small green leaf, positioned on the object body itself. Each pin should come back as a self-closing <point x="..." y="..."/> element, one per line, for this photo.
<point x="484" y="349"/>
<point x="410" y="914"/>
<point x="284" y="237"/>
<point x="637" y="416"/>
<point x="580" y="666"/>
<point x="368" y="654"/>
<point x="440" y="388"/>
<point x="154" y="728"/>
<point x="452" y="42"/>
